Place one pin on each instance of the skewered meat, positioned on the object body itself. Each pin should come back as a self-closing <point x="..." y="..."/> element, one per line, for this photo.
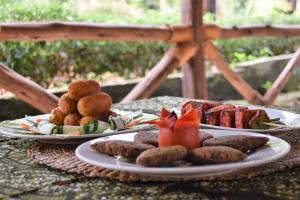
<point x="201" y="107"/>
<point x="228" y="115"/>
<point x="162" y="156"/>
<point x="241" y="142"/>
<point x="227" y="118"/>
<point x="257" y="122"/>
<point x="243" y="116"/>
<point x="213" y="115"/>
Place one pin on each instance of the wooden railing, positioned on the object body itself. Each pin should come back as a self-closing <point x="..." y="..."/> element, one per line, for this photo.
<point x="192" y="41"/>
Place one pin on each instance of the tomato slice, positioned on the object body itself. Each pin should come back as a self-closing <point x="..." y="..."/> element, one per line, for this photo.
<point x="183" y="131"/>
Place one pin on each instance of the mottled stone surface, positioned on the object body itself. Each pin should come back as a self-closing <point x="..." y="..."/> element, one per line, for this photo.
<point x="22" y="179"/>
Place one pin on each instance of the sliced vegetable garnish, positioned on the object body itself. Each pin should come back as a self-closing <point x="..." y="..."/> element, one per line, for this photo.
<point x="178" y="131"/>
<point x="32" y="125"/>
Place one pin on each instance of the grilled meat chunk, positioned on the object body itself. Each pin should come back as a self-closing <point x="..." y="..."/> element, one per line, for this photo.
<point x="243" y="116"/>
<point x="257" y="121"/>
<point x="227" y="118"/>
<point x="201" y="107"/>
<point x="212" y="116"/>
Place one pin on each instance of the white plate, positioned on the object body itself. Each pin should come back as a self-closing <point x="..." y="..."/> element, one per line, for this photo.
<point x="275" y="149"/>
<point x="71" y="139"/>
<point x="292" y="120"/>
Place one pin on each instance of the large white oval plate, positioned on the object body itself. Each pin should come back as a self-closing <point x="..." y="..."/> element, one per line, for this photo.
<point x="291" y="120"/>
<point x="71" y="139"/>
<point x="275" y="149"/>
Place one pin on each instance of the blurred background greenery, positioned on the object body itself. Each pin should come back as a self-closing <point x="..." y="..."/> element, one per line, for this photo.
<point x="53" y="64"/>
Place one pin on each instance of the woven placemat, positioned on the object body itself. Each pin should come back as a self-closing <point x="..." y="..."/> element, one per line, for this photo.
<point x="62" y="157"/>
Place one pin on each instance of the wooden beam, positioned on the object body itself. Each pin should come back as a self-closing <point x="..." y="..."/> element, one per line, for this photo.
<point x="176" y="56"/>
<point x="44" y="31"/>
<point x="194" y="80"/>
<point x="215" y="32"/>
<point x="234" y="79"/>
<point x="51" y="31"/>
<point x="27" y="90"/>
<point x="282" y="79"/>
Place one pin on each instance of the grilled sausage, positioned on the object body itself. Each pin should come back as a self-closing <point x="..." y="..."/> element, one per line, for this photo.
<point x="215" y="155"/>
<point x="243" y="143"/>
<point x="162" y="156"/>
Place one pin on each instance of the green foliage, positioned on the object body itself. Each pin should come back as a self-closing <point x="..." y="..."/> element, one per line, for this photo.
<point x="244" y="49"/>
<point x="41" y="61"/>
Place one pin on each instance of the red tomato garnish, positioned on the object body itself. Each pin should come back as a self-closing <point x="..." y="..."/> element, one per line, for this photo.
<point x="183" y="131"/>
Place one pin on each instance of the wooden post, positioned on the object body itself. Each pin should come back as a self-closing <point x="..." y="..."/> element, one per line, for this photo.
<point x="235" y="80"/>
<point x="282" y="79"/>
<point x="193" y="80"/>
<point x="27" y="90"/>
<point x="177" y="55"/>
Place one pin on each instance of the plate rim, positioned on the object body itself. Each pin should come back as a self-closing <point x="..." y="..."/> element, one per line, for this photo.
<point x="192" y="169"/>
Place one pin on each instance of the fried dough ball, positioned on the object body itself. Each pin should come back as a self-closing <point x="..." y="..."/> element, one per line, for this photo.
<point x="57" y="117"/>
<point x="80" y="88"/>
<point x="87" y="119"/>
<point x="67" y="105"/>
<point x="94" y="104"/>
<point x="72" y="119"/>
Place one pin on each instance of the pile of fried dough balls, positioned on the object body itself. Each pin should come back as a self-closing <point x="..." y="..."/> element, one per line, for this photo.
<point x="83" y="103"/>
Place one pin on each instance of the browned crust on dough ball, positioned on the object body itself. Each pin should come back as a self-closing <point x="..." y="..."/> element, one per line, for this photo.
<point x="57" y="117"/>
<point x="87" y="119"/>
<point x="72" y="119"/>
<point x="67" y="105"/>
<point x="80" y="88"/>
<point x="94" y="104"/>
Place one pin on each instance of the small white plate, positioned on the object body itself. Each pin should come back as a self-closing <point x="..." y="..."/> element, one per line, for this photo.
<point x="291" y="120"/>
<point x="71" y="139"/>
<point x="275" y="149"/>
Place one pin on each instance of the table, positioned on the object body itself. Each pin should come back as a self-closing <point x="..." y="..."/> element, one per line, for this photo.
<point x="20" y="178"/>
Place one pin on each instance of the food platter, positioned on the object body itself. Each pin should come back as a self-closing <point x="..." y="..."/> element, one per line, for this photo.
<point x="291" y="121"/>
<point x="275" y="149"/>
<point x="65" y="138"/>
